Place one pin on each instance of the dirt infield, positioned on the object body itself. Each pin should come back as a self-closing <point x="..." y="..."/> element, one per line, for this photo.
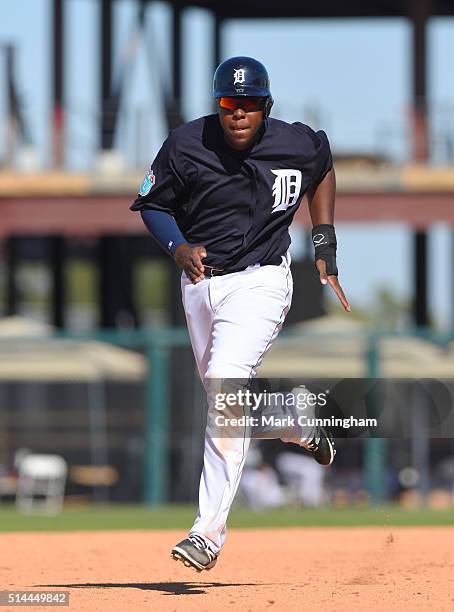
<point x="281" y="569"/>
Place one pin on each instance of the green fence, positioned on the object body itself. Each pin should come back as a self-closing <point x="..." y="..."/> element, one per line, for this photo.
<point x="157" y="344"/>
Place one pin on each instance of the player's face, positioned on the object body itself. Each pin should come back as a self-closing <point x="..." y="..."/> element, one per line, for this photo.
<point x="240" y="119"/>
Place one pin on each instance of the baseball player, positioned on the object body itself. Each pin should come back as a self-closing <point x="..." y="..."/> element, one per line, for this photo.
<point x="219" y="198"/>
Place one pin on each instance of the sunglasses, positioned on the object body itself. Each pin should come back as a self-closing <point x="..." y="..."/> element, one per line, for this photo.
<point x="248" y="104"/>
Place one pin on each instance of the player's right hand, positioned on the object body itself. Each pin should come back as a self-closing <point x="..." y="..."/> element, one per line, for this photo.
<point x="190" y="260"/>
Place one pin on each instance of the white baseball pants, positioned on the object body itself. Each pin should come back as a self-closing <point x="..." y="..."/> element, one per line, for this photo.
<point x="232" y="322"/>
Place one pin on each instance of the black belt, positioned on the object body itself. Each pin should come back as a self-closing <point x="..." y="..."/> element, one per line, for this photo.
<point x="211" y="271"/>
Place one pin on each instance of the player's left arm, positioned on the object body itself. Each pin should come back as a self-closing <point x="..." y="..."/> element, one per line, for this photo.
<point x="321" y="198"/>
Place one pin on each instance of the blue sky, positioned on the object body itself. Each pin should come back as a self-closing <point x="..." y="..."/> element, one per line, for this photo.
<point x="351" y="78"/>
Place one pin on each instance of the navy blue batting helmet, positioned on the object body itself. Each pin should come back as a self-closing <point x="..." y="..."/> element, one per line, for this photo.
<point x="242" y="76"/>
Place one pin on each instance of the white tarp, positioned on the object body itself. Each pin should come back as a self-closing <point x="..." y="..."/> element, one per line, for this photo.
<point x="29" y="352"/>
<point x="336" y="347"/>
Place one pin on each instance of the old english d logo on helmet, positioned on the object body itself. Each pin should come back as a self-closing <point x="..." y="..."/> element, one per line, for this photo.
<point x="242" y="76"/>
<point x="238" y="76"/>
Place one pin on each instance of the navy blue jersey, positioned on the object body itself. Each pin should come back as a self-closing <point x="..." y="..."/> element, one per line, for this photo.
<point x="237" y="204"/>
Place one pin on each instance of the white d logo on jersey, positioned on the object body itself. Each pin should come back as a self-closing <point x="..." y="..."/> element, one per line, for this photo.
<point x="286" y="188"/>
<point x="238" y="75"/>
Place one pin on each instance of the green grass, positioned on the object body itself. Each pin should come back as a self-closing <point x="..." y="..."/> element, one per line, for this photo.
<point x="181" y="517"/>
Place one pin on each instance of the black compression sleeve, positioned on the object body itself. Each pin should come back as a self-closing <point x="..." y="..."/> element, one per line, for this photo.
<point x="325" y="244"/>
